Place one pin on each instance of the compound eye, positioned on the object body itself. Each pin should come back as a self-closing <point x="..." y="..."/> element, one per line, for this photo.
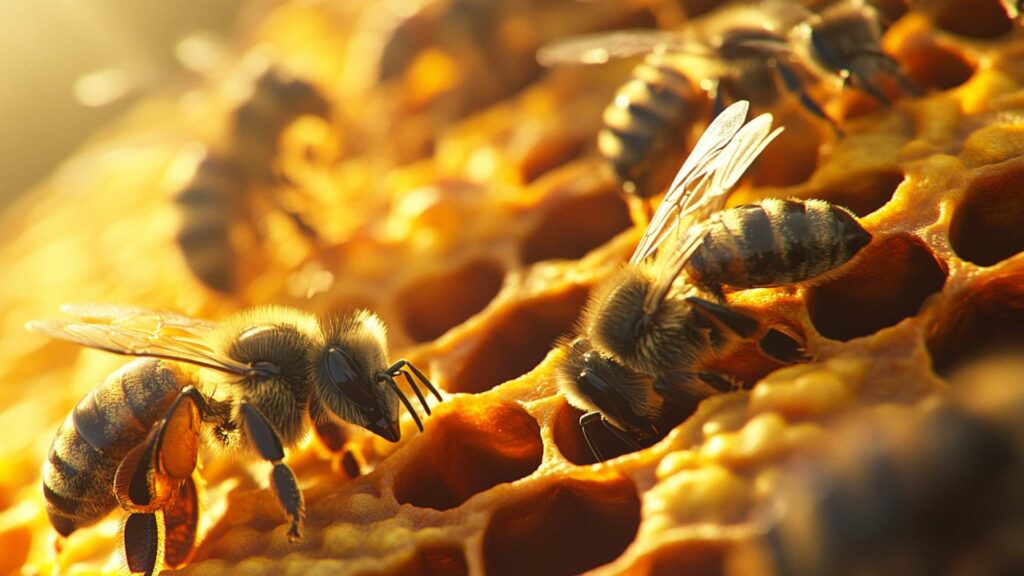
<point x="344" y="374"/>
<point x="613" y="404"/>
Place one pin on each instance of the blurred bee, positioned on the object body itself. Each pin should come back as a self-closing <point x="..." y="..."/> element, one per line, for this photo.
<point x="272" y="371"/>
<point x="221" y="188"/>
<point x="931" y="493"/>
<point x="647" y="331"/>
<point x="741" y="50"/>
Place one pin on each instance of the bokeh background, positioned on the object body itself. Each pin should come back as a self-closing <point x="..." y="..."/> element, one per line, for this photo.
<point x="69" y="66"/>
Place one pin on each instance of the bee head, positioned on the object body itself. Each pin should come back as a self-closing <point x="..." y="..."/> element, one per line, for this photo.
<point x="593" y="381"/>
<point x="347" y="369"/>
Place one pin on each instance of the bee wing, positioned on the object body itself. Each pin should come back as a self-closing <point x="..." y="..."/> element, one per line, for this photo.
<point x="141" y="332"/>
<point x="703" y="190"/>
<point x="682" y="196"/>
<point x="604" y="46"/>
<point x="115" y="313"/>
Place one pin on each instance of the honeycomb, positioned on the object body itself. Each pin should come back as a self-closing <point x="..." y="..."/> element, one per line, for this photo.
<point x="455" y="191"/>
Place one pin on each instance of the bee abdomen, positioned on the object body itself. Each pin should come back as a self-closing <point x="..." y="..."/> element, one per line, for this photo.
<point x="112" y="419"/>
<point x="645" y="112"/>
<point x="207" y="205"/>
<point x="776" y="242"/>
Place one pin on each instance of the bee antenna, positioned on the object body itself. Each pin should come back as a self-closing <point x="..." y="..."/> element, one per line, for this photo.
<point x="401" y="396"/>
<point x="416" y="390"/>
<point x="423" y="379"/>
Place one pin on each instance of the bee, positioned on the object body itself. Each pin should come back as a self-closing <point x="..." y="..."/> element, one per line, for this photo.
<point x="908" y="495"/>
<point x="268" y="374"/>
<point x="741" y="50"/>
<point x="223" y="185"/>
<point x="649" y="329"/>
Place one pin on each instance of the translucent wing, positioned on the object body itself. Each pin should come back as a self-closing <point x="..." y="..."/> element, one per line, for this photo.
<point x="703" y="191"/>
<point x="142" y="332"/>
<point x="682" y="193"/>
<point x="604" y="46"/>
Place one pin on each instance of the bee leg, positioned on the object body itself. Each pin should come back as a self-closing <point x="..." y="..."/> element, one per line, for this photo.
<point x="736" y="322"/>
<point x="795" y="85"/>
<point x="782" y="347"/>
<point x="592" y="424"/>
<point x="181" y="521"/>
<point x="334" y="437"/>
<point x="148" y="477"/>
<point x="143" y="533"/>
<point x="282" y="479"/>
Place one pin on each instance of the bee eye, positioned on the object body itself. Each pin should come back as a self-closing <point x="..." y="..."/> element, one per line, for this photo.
<point x="608" y="398"/>
<point x="344" y="374"/>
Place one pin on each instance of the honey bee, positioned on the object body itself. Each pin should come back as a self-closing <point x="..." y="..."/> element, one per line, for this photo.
<point x="223" y="184"/>
<point x="741" y="50"/>
<point x="919" y="494"/>
<point x="648" y="330"/>
<point x="270" y="372"/>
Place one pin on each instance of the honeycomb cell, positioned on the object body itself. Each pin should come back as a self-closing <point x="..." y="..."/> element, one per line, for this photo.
<point x="862" y="193"/>
<point x="792" y="157"/>
<point x="986" y="227"/>
<point x="888" y="283"/>
<point x="469" y="451"/>
<point x="569" y="438"/>
<point x="546" y="154"/>
<point x="696" y="558"/>
<point x="517" y="340"/>
<point x="576" y="226"/>
<point x="973" y="18"/>
<point x="433" y="305"/>
<point x="437" y="561"/>
<point x="987" y="320"/>
<point x="568" y="528"/>
<point x="933" y="66"/>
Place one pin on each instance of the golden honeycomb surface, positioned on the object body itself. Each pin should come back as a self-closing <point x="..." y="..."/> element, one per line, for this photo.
<point x="462" y="200"/>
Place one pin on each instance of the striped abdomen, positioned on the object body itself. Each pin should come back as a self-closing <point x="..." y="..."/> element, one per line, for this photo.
<point x="113" y="418"/>
<point x="775" y="242"/>
<point x="644" y="124"/>
<point x="208" y="204"/>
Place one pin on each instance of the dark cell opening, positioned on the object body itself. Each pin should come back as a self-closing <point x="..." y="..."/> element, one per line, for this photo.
<point x="470" y="450"/>
<point x="518" y="340"/>
<point x="433" y="305"/>
<point x="986" y="227"/>
<point x="576" y="226"/>
<point x="569" y="528"/>
<point x="887" y="283"/>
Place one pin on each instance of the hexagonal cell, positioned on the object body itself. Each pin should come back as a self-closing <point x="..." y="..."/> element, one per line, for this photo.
<point x="470" y="450"/>
<point x="576" y="226"/>
<point x="973" y="18"/>
<point x="889" y="282"/>
<point x="547" y="153"/>
<point x="693" y="558"/>
<point x="987" y="320"/>
<point x="986" y="226"/>
<point x="436" y="561"/>
<point x="569" y="438"/>
<point x="518" y="340"/>
<point x="793" y="156"/>
<point x="934" y="66"/>
<point x="433" y="305"/>
<point x="568" y="528"/>
<point x="862" y="193"/>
